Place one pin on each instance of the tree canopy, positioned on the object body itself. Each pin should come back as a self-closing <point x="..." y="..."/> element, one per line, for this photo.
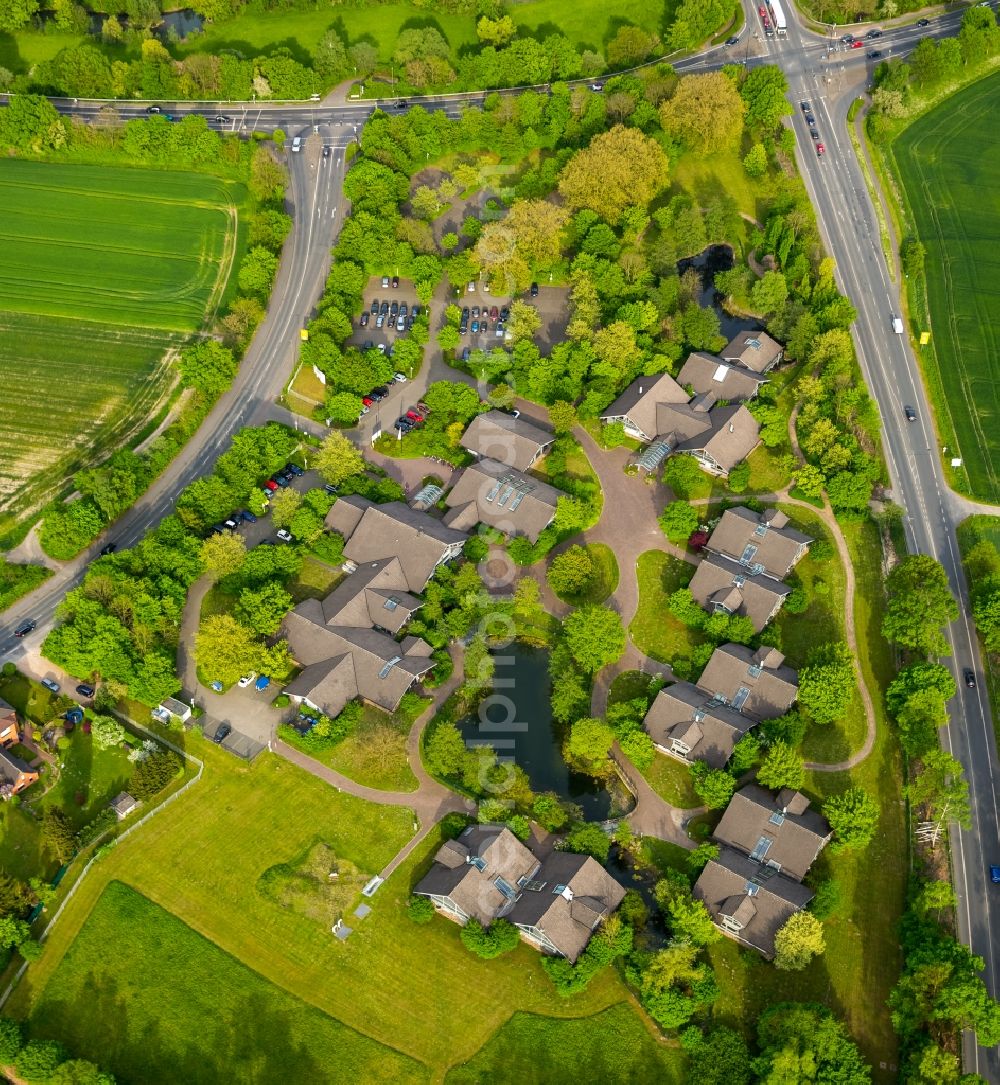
<point x="920" y="604"/>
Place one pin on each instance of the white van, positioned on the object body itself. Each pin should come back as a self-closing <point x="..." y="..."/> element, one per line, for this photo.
<point x="296" y="144"/>
<point x="897" y="325"/>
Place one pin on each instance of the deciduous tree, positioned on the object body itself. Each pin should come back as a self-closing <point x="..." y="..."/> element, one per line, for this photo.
<point x="782" y="767"/>
<point x="920" y="603"/>
<point x="798" y="941"/>
<point x="853" y="817"/>
<point x="595" y="637"/>
<point x="338" y="459"/>
<point x="705" y="112"/>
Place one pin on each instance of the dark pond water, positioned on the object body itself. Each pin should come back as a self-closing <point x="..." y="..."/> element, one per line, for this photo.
<point x="517" y="722"/>
<point x="714" y="259"/>
<point x="183" y="22"/>
<point x="624" y="869"/>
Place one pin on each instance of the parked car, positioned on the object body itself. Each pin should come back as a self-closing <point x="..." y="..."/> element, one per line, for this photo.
<point x="246" y="679"/>
<point x="85" y="690"/>
<point x="284" y="535"/>
<point x="422" y="408"/>
<point x="271" y="485"/>
<point x="403" y="310"/>
<point x="364" y="320"/>
<point x="223" y="732"/>
<point x="499" y="331"/>
<point x="970" y="677"/>
<point x="281" y="480"/>
<point x="381" y="348"/>
<point x="330" y="488"/>
<point x="465" y="313"/>
<point x="50" y="685"/>
<point x="403" y="423"/>
<point x="494" y="313"/>
<point x="384" y="308"/>
<point x="230" y="524"/>
<point x="385" y="282"/>
<point x="471" y="288"/>
<point x="504" y="313"/>
<point x="374" y="308"/>
<point x="414" y="416"/>
<point x="379" y="321"/>
<point x="395" y="280"/>
<point x="108" y="548"/>
<point x="401" y="323"/>
<point x="394" y="310"/>
<point x="534" y="290"/>
<point x="294" y="469"/>
<point x="248" y="517"/>
<point x="399" y="378"/>
<point x="375" y="395"/>
<point x="466" y="353"/>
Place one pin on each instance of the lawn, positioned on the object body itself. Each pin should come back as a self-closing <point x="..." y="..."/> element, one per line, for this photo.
<point x="105" y="271"/>
<point x="152" y="986"/>
<point x="202" y="857"/>
<point x="950" y="178"/>
<point x="670" y="779"/>
<point x="654" y="630"/>
<point x="89" y="774"/>
<point x="612" y="1046"/>
<point x="605" y="578"/>
<point x="315" y="580"/>
<point x="375" y="755"/>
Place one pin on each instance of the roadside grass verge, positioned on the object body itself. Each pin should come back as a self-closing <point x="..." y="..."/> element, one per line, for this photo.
<point x="973" y="530"/>
<point x="375" y="754"/>
<point x="154" y="986"/>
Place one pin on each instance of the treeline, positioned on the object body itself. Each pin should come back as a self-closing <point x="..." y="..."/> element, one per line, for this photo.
<point x="903" y="86"/>
<point x="122" y="624"/>
<point x="30" y="125"/>
<point x="422" y="57"/>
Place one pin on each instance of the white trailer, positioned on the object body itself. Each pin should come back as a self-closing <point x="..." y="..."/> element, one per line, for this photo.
<point x="778" y="14"/>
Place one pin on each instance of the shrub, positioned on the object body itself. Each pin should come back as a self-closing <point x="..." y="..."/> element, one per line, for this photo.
<point x="151" y="776"/>
<point x="38" y="1059"/>
<point x="9" y="670"/>
<point x="585" y="838"/>
<point x="11" y="1040"/>
<point x="500" y="937"/>
<point x="420" y="909"/>
<point x="454" y="824"/>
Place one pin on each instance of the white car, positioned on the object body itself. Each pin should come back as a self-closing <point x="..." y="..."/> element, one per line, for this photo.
<point x="246" y="679"/>
<point x="285" y="536"/>
<point x="399" y="378"/>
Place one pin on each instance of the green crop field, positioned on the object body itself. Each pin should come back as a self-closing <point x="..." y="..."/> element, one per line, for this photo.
<point x="951" y="178"/>
<point x="105" y="271"/>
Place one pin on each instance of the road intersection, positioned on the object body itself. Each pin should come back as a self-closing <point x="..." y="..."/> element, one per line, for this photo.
<point x="820" y="69"/>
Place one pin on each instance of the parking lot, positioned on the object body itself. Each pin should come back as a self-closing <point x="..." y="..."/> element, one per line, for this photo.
<point x="375" y="292"/>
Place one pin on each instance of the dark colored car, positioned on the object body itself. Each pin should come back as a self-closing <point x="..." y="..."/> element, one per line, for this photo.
<point x="847" y="39"/>
<point x="108" y="548"/>
<point x="364" y="320"/>
<point x="220" y="119"/>
<point x="504" y="313"/>
<point x="224" y="731"/>
<point x="374" y="308"/>
<point x="995" y="874"/>
<point x="216" y="529"/>
<point x="534" y="290"/>
<point x="923" y="22"/>
<point x="422" y="408"/>
<point x="25" y="628"/>
<point x="494" y="313"/>
<point x="873" y="34"/>
<point x="970" y="677"/>
<point x="247" y="516"/>
<point x="84" y="690"/>
<point x="911" y="414"/>
<point x="401" y="104"/>
<point x="395" y="282"/>
<point x="465" y="313"/>
<point x="814" y="133"/>
<point x="403" y="423"/>
<point x="294" y="469"/>
<point x="806" y="107"/>
<point x="810" y="120"/>
<point x="384" y="308"/>
<point x="403" y="310"/>
<point x="733" y="40"/>
<point x="465" y="354"/>
<point x="874" y="54"/>
<point x="326" y="150"/>
<point x="376" y="395"/>
<point x="475" y="327"/>
<point x="394" y="310"/>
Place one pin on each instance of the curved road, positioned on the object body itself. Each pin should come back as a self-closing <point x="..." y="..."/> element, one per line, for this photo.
<point x="830" y="76"/>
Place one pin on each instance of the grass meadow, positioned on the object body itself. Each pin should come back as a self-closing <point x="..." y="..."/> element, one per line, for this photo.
<point x="950" y="176"/>
<point x="105" y="270"/>
<point x="413" y="989"/>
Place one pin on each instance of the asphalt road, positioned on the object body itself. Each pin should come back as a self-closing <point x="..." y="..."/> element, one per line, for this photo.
<point x="830" y="75"/>
<point x="837" y="188"/>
